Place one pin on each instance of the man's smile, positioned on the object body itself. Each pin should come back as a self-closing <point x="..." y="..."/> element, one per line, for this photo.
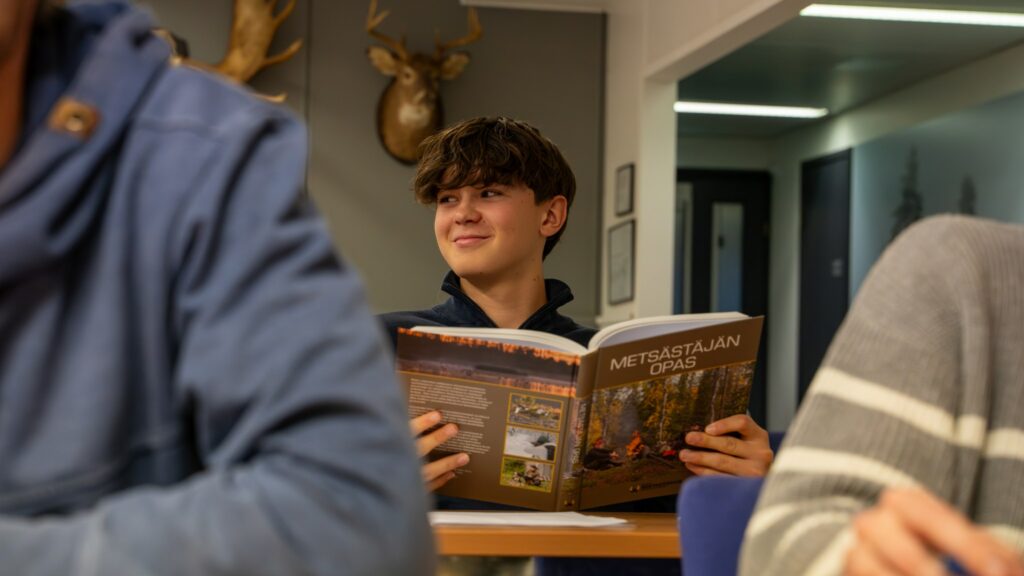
<point x="469" y="240"/>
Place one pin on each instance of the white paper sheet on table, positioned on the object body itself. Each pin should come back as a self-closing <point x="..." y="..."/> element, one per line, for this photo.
<point x="447" y="517"/>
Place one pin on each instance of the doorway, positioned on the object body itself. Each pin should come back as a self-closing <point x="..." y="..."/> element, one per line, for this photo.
<point x="824" y="258"/>
<point x="722" y="252"/>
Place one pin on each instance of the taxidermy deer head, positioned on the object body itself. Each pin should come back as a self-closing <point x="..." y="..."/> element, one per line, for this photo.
<point x="409" y="110"/>
<point x="252" y="30"/>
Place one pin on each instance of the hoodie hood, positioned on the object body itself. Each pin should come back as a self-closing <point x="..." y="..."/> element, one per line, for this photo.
<point x="95" y="60"/>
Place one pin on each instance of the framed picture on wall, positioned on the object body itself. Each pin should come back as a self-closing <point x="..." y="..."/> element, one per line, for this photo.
<point x="624" y="190"/>
<point x="620" y="262"/>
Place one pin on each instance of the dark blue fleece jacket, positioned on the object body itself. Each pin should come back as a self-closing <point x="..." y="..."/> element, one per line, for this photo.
<point x="460" y="310"/>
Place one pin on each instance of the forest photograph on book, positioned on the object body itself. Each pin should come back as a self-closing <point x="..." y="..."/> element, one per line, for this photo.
<point x="636" y="430"/>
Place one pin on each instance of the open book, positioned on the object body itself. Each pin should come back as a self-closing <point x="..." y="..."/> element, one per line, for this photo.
<point x="552" y="425"/>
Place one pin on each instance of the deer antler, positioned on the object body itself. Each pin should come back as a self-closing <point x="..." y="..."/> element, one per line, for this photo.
<point x="373" y="20"/>
<point x="474" y="34"/>
<point x="252" y="31"/>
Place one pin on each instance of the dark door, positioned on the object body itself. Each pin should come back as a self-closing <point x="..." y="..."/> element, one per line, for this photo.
<point x="729" y="254"/>
<point x="824" y="257"/>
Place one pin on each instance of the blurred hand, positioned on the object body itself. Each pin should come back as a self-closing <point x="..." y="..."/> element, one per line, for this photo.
<point x="748" y="455"/>
<point x="910" y="530"/>
<point x="440" y="471"/>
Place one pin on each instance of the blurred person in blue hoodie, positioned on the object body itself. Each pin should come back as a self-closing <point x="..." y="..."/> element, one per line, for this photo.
<point x="190" y="381"/>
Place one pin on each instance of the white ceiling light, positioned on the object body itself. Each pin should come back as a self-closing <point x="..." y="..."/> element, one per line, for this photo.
<point x="748" y="110"/>
<point x="914" y="15"/>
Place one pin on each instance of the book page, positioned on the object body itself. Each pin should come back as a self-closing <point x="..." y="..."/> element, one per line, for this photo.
<point x="640" y="328"/>
<point x="512" y="336"/>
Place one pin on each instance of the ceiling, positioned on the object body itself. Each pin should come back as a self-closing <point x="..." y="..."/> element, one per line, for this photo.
<point x="822" y="62"/>
<point x="837" y="64"/>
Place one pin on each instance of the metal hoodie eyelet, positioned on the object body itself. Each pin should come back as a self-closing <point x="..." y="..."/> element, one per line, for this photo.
<point x="74" y="117"/>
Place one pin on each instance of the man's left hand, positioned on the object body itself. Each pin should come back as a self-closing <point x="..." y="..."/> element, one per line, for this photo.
<point x="748" y="455"/>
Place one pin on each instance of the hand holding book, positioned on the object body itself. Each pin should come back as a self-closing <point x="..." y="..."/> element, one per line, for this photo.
<point x="734" y="446"/>
<point x="429" y="435"/>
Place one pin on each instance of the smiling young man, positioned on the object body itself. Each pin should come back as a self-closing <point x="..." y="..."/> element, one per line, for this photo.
<point x="502" y="194"/>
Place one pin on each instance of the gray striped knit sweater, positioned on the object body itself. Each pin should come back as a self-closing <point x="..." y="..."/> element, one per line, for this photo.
<point x="923" y="385"/>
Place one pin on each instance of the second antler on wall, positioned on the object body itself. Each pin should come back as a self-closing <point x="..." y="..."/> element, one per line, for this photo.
<point x="252" y="31"/>
<point x="410" y="109"/>
<point x="253" y="26"/>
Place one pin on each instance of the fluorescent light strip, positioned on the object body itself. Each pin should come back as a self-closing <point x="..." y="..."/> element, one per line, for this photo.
<point x="748" y="110"/>
<point x="914" y="15"/>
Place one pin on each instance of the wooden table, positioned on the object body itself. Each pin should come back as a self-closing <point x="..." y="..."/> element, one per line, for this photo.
<point x="647" y="535"/>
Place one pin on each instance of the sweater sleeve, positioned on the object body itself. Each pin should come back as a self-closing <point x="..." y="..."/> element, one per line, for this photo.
<point x="901" y="399"/>
<point x="306" y="464"/>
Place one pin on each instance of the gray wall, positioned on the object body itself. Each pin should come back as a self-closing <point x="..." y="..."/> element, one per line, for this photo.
<point x="983" y="143"/>
<point x="542" y="67"/>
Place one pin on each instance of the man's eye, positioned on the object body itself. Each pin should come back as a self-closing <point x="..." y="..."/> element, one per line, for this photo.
<point x="489" y="193"/>
<point x="445" y="199"/>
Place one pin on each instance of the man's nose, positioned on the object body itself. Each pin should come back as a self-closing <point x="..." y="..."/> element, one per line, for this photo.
<point x="466" y="211"/>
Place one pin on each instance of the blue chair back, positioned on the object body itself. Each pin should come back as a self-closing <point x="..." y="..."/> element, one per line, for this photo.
<point x="713" y="514"/>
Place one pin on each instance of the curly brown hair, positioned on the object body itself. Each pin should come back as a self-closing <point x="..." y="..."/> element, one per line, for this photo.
<point x="494" y="150"/>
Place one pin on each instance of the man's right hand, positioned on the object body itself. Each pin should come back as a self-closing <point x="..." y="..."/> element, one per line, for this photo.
<point x="438" y="472"/>
<point x="910" y="530"/>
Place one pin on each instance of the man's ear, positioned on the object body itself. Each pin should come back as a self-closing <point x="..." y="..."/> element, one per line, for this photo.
<point x="555" y="212"/>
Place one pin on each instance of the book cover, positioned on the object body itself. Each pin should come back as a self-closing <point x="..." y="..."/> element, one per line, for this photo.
<point x="648" y="394"/>
<point x="511" y="404"/>
<point x="574" y="428"/>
